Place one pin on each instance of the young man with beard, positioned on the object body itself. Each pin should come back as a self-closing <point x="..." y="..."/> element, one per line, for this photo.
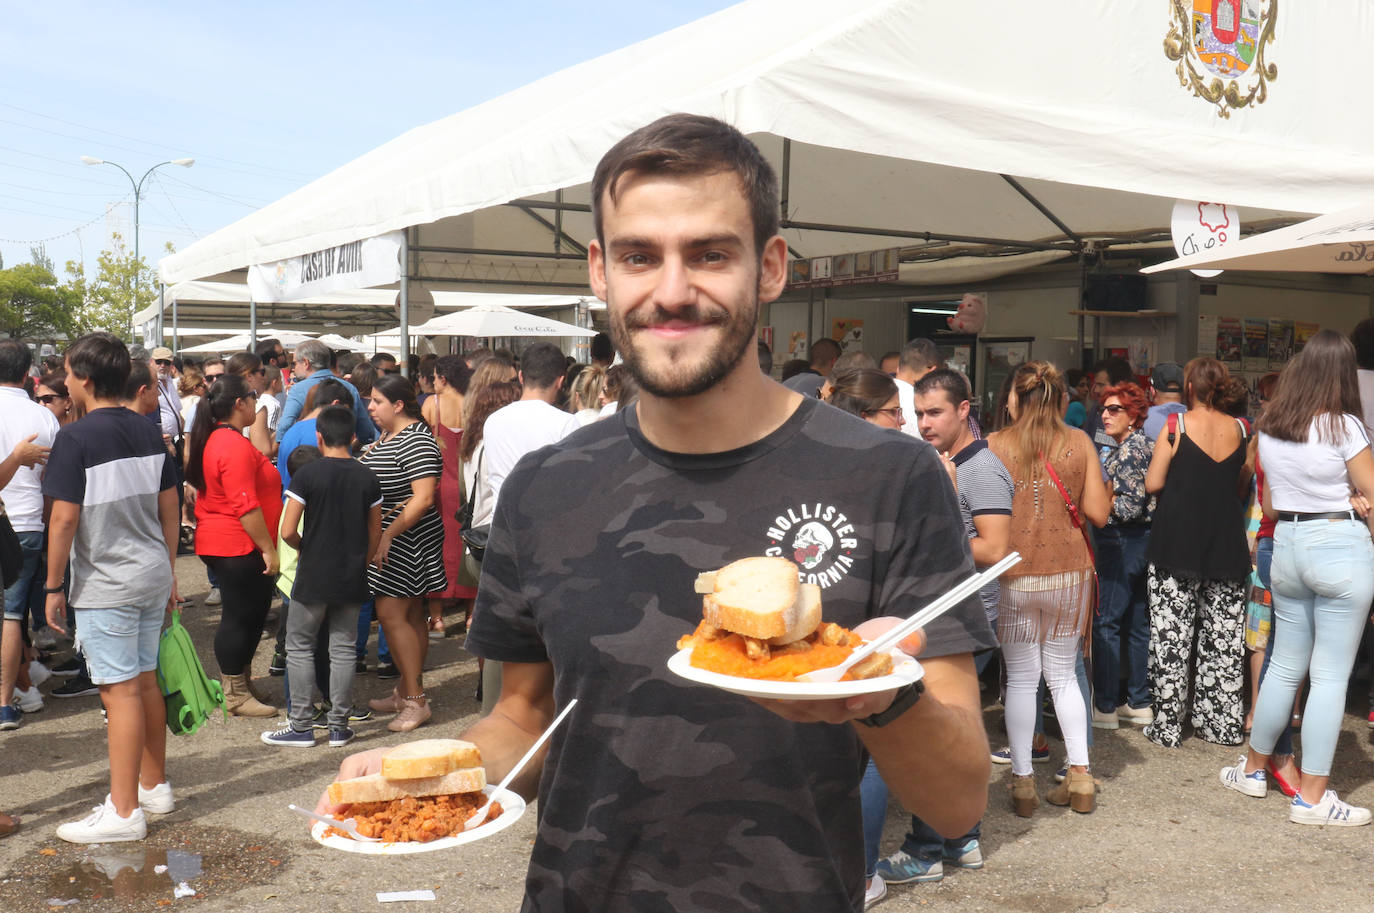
<point x="659" y="794"/>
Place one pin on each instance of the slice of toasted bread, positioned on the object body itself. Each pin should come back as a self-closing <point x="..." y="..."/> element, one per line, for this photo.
<point x="755" y="597"/>
<point x="804" y="616"/>
<point x="377" y="788"/>
<point x="429" y="758"/>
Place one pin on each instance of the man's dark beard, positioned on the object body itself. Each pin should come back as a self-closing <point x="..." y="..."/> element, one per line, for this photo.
<point x="736" y="343"/>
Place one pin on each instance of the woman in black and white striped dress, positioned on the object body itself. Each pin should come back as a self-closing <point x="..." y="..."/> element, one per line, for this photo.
<point x="410" y="559"/>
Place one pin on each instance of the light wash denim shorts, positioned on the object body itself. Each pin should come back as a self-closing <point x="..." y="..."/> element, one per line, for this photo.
<point x="121" y="642"/>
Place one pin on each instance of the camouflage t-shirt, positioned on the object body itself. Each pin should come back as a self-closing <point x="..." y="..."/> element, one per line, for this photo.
<point x="659" y="794"/>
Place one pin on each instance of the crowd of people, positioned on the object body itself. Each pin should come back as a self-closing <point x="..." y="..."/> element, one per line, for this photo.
<point x="566" y="510"/>
<point x="302" y="495"/>
<point x="1141" y="588"/>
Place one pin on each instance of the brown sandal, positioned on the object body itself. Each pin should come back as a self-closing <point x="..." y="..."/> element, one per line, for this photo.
<point x="1078" y="792"/>
<point x="8" y="824"/>
<point x="1023" y="797"/>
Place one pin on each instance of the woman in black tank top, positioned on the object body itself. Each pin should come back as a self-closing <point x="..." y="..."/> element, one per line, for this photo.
<point x="1199" y="562"/>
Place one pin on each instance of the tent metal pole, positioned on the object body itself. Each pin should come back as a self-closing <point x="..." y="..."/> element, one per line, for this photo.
<point x="161" y="319"/>
<point x="1044" y="210"/>
<point x="558" y="223"/>
<point x="405" y="303"/>
<point x="252" y="323"/>
<point x="784" y="190"/>
<point x="486" y="251"/>
<point x="568" y="239"/>
<point x="176" y="334"/>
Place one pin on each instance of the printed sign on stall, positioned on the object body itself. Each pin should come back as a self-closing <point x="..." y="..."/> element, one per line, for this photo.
<point x="358" y="264"/>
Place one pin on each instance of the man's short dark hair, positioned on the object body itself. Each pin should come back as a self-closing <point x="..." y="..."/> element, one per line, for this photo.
<point x="692" y="145"/>
<point x="266" y="349"/>
<point x="1362" y="338"/>
<point x="302" y="456"/>
<point x="920" y="354"/>
<point x="383" y="362"/>
<point x="541" y="364"/>
<point x="103" y="359"/>
<point x="822" y="350"/>
<point x="335" y="425"/>
<point x="1118" y="370"/>
<point x="602" y="348"/>
<point x="140" y="376"/>
<point x="954" y="385"/>
<point x="765" y="358"/>
<point x="794" y="366"/>
<point x="332" y="390"/>
<point x="15" y="359"/>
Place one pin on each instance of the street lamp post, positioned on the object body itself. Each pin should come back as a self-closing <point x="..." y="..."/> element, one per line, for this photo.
<point x="138" y="193"/>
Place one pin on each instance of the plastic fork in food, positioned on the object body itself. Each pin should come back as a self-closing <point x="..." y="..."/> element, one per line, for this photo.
<point x="348" y="825"/>
<point x="481" y="813"/>
<point x="894" y="636"/>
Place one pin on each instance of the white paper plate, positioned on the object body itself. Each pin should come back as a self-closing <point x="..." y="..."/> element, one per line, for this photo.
<point x="905" y="670"/>
<point x="512" y="807"/>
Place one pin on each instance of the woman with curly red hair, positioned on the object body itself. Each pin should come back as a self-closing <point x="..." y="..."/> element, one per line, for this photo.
<point x="1121" y="631"/>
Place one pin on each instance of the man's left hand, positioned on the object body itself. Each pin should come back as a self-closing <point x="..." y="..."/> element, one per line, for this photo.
<point x="843" y="710"/>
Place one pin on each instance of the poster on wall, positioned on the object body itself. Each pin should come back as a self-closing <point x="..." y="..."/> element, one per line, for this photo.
<point x="796" y="344"/>
<point x="859" y="268"/>
<point x="848" y="332"/>
<point x="1302" y="332"/>
<point x="1230" y="340"/>
<point x="1143" y="355"/>
<point x="1207" y="335"/>
<point x="1280" y="343"/>
<point x="1255" y="356"/>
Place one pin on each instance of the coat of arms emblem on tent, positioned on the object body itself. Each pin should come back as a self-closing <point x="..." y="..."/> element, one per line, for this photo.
<point x="1220" y="48"/>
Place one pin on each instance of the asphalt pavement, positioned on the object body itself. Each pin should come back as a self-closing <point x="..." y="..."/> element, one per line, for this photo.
<point x="1165" y="837"/>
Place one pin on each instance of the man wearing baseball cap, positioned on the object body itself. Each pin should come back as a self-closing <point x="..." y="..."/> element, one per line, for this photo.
<point x="168" y="402"/>
<point x="1166" y="396"/>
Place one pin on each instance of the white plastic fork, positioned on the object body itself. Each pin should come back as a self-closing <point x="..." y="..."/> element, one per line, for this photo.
<point x="348" y="825"/>
<point x="481" y="813"/>
<point x="894" y="636"/>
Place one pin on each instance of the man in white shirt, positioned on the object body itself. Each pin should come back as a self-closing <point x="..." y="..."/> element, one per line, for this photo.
<point x="532" y="421"/>
<point x="917" y="359"/>
<point x="27" y="431"/>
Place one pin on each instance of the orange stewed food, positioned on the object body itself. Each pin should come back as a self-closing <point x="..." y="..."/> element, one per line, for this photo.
<point x="717" y="650"/>
<point x="417" y="820"/>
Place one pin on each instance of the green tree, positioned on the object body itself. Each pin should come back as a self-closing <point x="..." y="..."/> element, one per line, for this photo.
<point x="108" y="301"/>
<point x="33" y="305"/>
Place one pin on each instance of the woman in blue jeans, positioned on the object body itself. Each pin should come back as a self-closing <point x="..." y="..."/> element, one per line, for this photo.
<point x="1121" y="630"/>
<point x="1314" y="448"/>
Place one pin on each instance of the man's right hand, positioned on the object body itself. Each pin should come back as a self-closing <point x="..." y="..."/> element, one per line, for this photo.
<point x="355" y="765"/>
<point x="55" y="609"/>
<point x="29" y="454"/>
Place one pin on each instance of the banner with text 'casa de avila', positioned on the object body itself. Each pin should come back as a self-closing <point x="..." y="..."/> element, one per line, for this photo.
<point x="358" y="264"/>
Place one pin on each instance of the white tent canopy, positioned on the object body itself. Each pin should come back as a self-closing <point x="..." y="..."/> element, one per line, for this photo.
<point x="893" y="123"/>
<point x="241" y="342"/>
<point x="494" y="320"/>
<point x="1342" y="242"/>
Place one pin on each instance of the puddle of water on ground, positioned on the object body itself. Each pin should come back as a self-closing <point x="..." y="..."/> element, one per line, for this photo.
<point x="200" y="862"/>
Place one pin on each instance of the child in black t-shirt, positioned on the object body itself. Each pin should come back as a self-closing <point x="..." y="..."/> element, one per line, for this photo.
<point x="341" y="503"/>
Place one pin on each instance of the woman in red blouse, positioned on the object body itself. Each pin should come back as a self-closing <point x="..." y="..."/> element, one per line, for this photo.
<point x="238" y="505"/>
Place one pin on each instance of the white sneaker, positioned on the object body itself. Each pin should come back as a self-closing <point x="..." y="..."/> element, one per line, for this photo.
<point x="1329" y="811"/>
<point x="28" y="701"/>
<point x="38" y="673"/>
<point x="1253" y="784"/>
<point x="103" y="825"/>
<point x="1105" y="720"/>
<point x="876" y="891"/>
<point x="158" y="800"/>
<point x="212" y="598"/>
<point x="1141" y="716"/>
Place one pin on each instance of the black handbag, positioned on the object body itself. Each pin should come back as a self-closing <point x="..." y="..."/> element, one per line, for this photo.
<point x="474" y="537"/>
<point x="11" y="552"/>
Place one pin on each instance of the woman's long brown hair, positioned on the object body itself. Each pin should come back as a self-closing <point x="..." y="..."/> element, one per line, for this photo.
<point x="1038" y="428"/>
<point x="1318" y="383"/>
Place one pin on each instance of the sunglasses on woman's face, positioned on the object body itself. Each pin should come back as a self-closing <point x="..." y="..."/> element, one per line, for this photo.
<point x="47" y="398"/>
<point x="1114" y="408"/>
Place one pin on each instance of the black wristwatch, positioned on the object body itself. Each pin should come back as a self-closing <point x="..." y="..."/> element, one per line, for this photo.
<point x="906" y="698"/>
<point x="49" y="590"/>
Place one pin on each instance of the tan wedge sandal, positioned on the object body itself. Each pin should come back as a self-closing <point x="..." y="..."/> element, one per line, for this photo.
<point x="1078" y="792"/>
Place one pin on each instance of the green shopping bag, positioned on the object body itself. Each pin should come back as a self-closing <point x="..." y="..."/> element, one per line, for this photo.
<point x="190" y="694"/>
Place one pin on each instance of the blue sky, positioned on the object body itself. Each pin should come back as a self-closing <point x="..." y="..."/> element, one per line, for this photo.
<point x="265" y="97"/>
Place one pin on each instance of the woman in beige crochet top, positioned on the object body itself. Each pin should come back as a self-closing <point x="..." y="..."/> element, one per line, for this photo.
<point x="1045" y="600"/>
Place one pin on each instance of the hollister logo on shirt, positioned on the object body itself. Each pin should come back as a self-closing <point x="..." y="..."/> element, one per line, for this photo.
<point x="816" y="536"/>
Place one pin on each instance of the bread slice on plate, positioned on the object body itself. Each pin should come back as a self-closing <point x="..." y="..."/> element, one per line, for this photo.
<point x="378" y="788"/>
<point x="754" y="597"/>
<point x="429" y="758"/>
